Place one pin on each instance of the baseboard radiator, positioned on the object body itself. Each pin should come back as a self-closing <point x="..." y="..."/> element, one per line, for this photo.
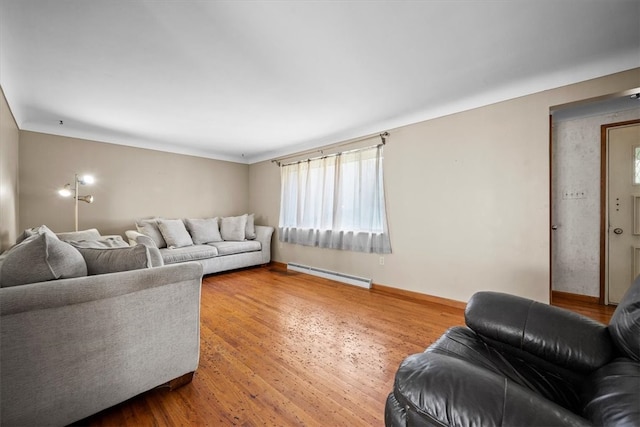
<point x="332" y="275"/>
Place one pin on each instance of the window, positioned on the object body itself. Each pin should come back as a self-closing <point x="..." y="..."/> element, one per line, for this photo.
<point x="335" y="202"/>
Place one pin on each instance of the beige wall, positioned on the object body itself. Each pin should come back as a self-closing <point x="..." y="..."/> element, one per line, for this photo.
<point x="9" y="138"/>
<point x="130" y="183"/>
<point x="467" y="198"/>
<point x="467" y="195"/>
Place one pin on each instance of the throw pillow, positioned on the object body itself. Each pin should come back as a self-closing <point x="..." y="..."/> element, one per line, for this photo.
<point x="90" y="234"/>
<point x="174" y="233"/>
<point x="233" y="227"/>
<point x="250" y="229"/>
<point x="34" y="232"/>
<point x="110" y="260"/>
<point x="40" y="258"/>
<point x="203" y="230"/>
<point x="149" y="227"/>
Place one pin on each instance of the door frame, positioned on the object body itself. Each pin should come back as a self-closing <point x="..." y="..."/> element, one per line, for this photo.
<point x="604" y="195"/>
<point x="550" y="208"/>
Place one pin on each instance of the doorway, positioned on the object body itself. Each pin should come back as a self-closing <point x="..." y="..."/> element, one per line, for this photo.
<point x="620" y="207"/>
<point x="576" y="254"/>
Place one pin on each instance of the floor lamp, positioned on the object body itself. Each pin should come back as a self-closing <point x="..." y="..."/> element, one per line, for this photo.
<point x="67" y="192"/>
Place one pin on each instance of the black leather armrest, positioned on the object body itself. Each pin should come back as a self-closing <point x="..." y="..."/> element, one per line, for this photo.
<point x="553" y="334"/>
<point x="434" y="389"/>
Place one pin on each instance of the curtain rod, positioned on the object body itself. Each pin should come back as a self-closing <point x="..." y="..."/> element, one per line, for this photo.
<point x="383" y="136"/>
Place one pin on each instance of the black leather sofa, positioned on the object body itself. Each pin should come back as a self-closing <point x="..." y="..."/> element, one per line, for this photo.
<point x="523" y="363"/>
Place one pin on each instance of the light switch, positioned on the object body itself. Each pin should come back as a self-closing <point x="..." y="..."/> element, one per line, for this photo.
<point x="574" y="194"/>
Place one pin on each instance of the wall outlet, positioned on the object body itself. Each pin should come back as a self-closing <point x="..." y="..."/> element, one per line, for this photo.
<point x="381" y="260"/>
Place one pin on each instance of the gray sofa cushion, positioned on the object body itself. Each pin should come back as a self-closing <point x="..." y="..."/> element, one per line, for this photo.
<point x="188" y="253"/>
<point x="40" y="258"/>
<point x="72" y="236"/>
<point x="233" y="228"/>
<point x="203" y="230"/>
<point x="111" y="260"/>
<point x="149" y="227"/>
<point x="105" y="242"/>
<point x="230" y="248"/>
<point x="174" y="233"/>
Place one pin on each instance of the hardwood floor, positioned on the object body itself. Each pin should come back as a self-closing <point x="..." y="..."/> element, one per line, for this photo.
<point x="287" y="349"/>
<point x="601" y="313"/>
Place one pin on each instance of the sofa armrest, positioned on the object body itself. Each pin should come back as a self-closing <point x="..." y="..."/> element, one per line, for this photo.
<point x="73" y="347"/>
<point x="79" y="290"/>
<point x="263" y="235"/>
<point x="435" y="389"/>
<point x="133" y="237"/>
<point x="136" y="238"/>
<point x="556" y="335"/>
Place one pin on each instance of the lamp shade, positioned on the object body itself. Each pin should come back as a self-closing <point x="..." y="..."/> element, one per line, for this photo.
<point x="86" y="180"/>
<point x="66" y="191"/>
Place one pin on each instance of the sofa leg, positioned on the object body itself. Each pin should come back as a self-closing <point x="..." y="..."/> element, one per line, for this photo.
<point x="180" y="381"/>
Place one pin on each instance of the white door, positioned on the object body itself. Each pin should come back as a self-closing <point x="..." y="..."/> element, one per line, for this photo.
<point x="623" y="201"/>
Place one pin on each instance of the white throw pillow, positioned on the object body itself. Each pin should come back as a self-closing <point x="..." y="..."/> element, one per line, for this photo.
<point x="250" y="229"/>
<point x="233" y="228"/>
<point x="174" y="233"/>
<point x="149" y="227"/>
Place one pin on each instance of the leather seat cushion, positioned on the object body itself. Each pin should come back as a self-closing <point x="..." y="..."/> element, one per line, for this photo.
<point x="610" y="394"/>
<point x="434" y="389"/>
<point x="464" y="344"/>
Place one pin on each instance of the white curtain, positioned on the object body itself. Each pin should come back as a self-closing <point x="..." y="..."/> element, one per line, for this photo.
<point x="336" y="202"/>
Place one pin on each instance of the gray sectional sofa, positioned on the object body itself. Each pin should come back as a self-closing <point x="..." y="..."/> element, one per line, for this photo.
<point x="218" y="244"/>
<point x="90" y="331"/>
<point x="89" y="321"/>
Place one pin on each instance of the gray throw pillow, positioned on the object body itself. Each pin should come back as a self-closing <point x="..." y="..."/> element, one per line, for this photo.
<point x="149" y="227"/>
<point x="34" y="232"/>
<point x="174" y="233"/>
<point x="110" y="260"/>
<point x="203" y="230"/>
<point x="72" y="236"/>
<point x="250" y="229"/>
<point x="40" y="258"/>
<point x="232" y="228"/>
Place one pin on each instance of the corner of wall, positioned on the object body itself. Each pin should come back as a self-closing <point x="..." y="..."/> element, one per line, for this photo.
<point x="9" y="139"/>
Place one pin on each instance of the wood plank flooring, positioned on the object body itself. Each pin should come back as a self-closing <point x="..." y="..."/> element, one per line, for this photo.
<point x="281" y="348"/>
<point x="601" y="313"/>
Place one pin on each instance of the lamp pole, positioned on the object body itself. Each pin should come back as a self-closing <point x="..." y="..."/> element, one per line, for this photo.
<point x="66" y="192"/>
<point x="75" y="196"/>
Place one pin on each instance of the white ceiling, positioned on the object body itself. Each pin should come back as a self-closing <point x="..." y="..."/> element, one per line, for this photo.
<point x="250" y="80"/>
